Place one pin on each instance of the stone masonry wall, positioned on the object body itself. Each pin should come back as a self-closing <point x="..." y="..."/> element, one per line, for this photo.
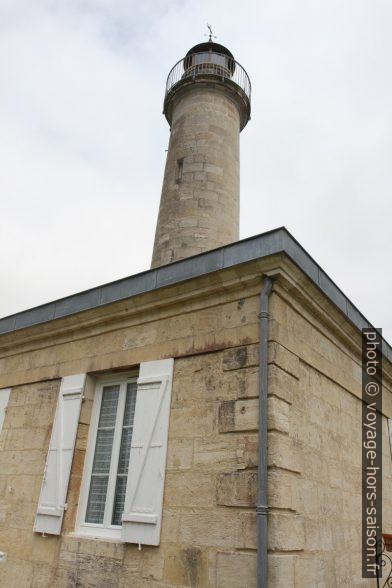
<point x="209" y="522"/>
<point x="199" y="208"/>
<point x="208" y="518"/>
<point x="315" y="453"/>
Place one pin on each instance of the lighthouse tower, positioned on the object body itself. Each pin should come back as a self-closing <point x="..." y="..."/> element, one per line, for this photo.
<point x="207" y="104"/>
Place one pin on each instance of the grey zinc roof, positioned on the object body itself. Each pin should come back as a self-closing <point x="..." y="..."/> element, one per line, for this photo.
<point x="269" y="243"/>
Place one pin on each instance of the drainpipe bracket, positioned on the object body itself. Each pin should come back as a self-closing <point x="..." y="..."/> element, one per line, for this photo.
<point x="263" y="314"/>
<point x="262" y="510"/>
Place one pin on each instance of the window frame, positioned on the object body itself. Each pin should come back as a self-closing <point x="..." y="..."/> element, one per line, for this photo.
<point x="105" y="530"/>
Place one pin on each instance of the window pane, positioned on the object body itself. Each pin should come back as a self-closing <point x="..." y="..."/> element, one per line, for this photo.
<point x="121" y="486"/>
<point x="107" y="417"/>
<point x="201" y="58"/>
<point x="102" y="456"/>
<point x="97" y="499"/>
<point x="103" y="451"/>
<point x="125" y="450"/>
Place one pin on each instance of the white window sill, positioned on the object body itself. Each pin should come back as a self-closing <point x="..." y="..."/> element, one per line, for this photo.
<point x="91" y="535"/>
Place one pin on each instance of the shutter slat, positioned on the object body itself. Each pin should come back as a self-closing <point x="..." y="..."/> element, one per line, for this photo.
<point x="51" y="504"/>
<point x="146" y="475"/>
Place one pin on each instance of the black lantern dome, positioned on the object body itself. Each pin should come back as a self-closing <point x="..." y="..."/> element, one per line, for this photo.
<point x="210" y="55"/>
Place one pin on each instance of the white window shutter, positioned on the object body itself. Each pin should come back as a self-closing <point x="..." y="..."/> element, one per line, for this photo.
<point x="51" y="504"/>
<point x="4" y="396"/>
<point x="146" y="474"/>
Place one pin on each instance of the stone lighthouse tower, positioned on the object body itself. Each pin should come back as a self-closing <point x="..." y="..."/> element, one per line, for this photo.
<point x="207" y="104"/>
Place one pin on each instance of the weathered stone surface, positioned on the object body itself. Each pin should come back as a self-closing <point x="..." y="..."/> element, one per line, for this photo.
<point x="238" y="415"/>
<point x="187" y="566"/>
<point x="237" y="488"/>
<point x="241" y="357"/>
<point x="208" y="168"/>
<point x="242" y="383"/>
<point x="16" y="572"/>
<point x="278" y="415"/>
<point x="286" y="532"/>
<point x="247" y="451"/>
<point x="283" y="358"/>
<point x="193" y="421"/>
<point x="284" y="453"/>
<point x="281" y="570"/>
<point x="208" y="528"/>
<point x="180" y="454"/>
<point x="283" y="489"/>
<point x="235" y="570"/>
<point x="189" y="489"/>
<point x="246" y="531"/>
<point x="216" y="453"/>
<point x="281" y="384"/>
<point x="153" y="564"/>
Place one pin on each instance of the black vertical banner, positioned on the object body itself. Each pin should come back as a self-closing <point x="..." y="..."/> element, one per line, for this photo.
<point x="371" y="450"/>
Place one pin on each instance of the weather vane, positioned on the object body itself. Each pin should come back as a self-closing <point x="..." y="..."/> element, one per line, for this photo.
<point x="210" y="34"/>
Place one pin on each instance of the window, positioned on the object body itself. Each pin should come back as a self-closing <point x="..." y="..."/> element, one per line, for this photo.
<point x="202" y="58"/>
<point x="108" y="456"/>
<point x="121" y="493"/>
<point x="179" y="168"/>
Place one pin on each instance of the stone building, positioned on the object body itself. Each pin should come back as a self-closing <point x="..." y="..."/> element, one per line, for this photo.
<point x="130" y="450"/>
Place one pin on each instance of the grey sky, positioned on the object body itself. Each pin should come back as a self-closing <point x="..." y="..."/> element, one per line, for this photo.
<point x="83" y="139"/>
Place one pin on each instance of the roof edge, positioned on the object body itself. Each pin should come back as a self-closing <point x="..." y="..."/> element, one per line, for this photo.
<point x="271" y="242"/>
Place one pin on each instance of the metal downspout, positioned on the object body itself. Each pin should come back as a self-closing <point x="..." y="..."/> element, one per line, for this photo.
<point x="262" y="507"/>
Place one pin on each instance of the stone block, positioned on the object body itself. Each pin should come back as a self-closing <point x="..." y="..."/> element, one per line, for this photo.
<point x="285" y="532"/>
<point x="246" y="531"/>
<point x="318" y="533"/>
<point x="243" y="383"/>
<point x="179" y="454"/>
<point x="15" y="572"/>
<point x="153" y="564"/>
<point x="81" y="439"/>
<point x="238" y="415"/>
<point x="86" y="569"/>
<point x="323" y="571"/>
<point x="284" y="452"/>
<point x="281" y="571"/>
<point x="284" y="359"/>
<point x="236" y="570"/>
<point x="193" y="421"/>
<point x="308" y="496"/>
<point x="21" y="514"/>
<point x="216" y="453"/>
<point x="278" y="415"/>
<point x="18" y="416"/>
<point x="240" y="357"/>
<point x="189" y="489"/>
<point x="45" y="549"/>
<point x="283" y="489"/>
<point x="209" y="528"/>
<point x="171" y="519"/>
<point x="17" y="543"/>
<point x="43" y="575"/>
<point x="23" y="488"/>
<point x="237" y="488"/>
<point x="247" y="451"/>
<point x="186" y="566"/>
<point x="281" y="384"/>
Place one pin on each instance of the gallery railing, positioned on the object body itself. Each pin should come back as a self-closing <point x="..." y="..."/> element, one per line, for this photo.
<point x="208" y="64"/>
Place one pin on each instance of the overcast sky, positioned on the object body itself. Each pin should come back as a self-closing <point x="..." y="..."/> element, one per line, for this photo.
<point x="83" y="138"/>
